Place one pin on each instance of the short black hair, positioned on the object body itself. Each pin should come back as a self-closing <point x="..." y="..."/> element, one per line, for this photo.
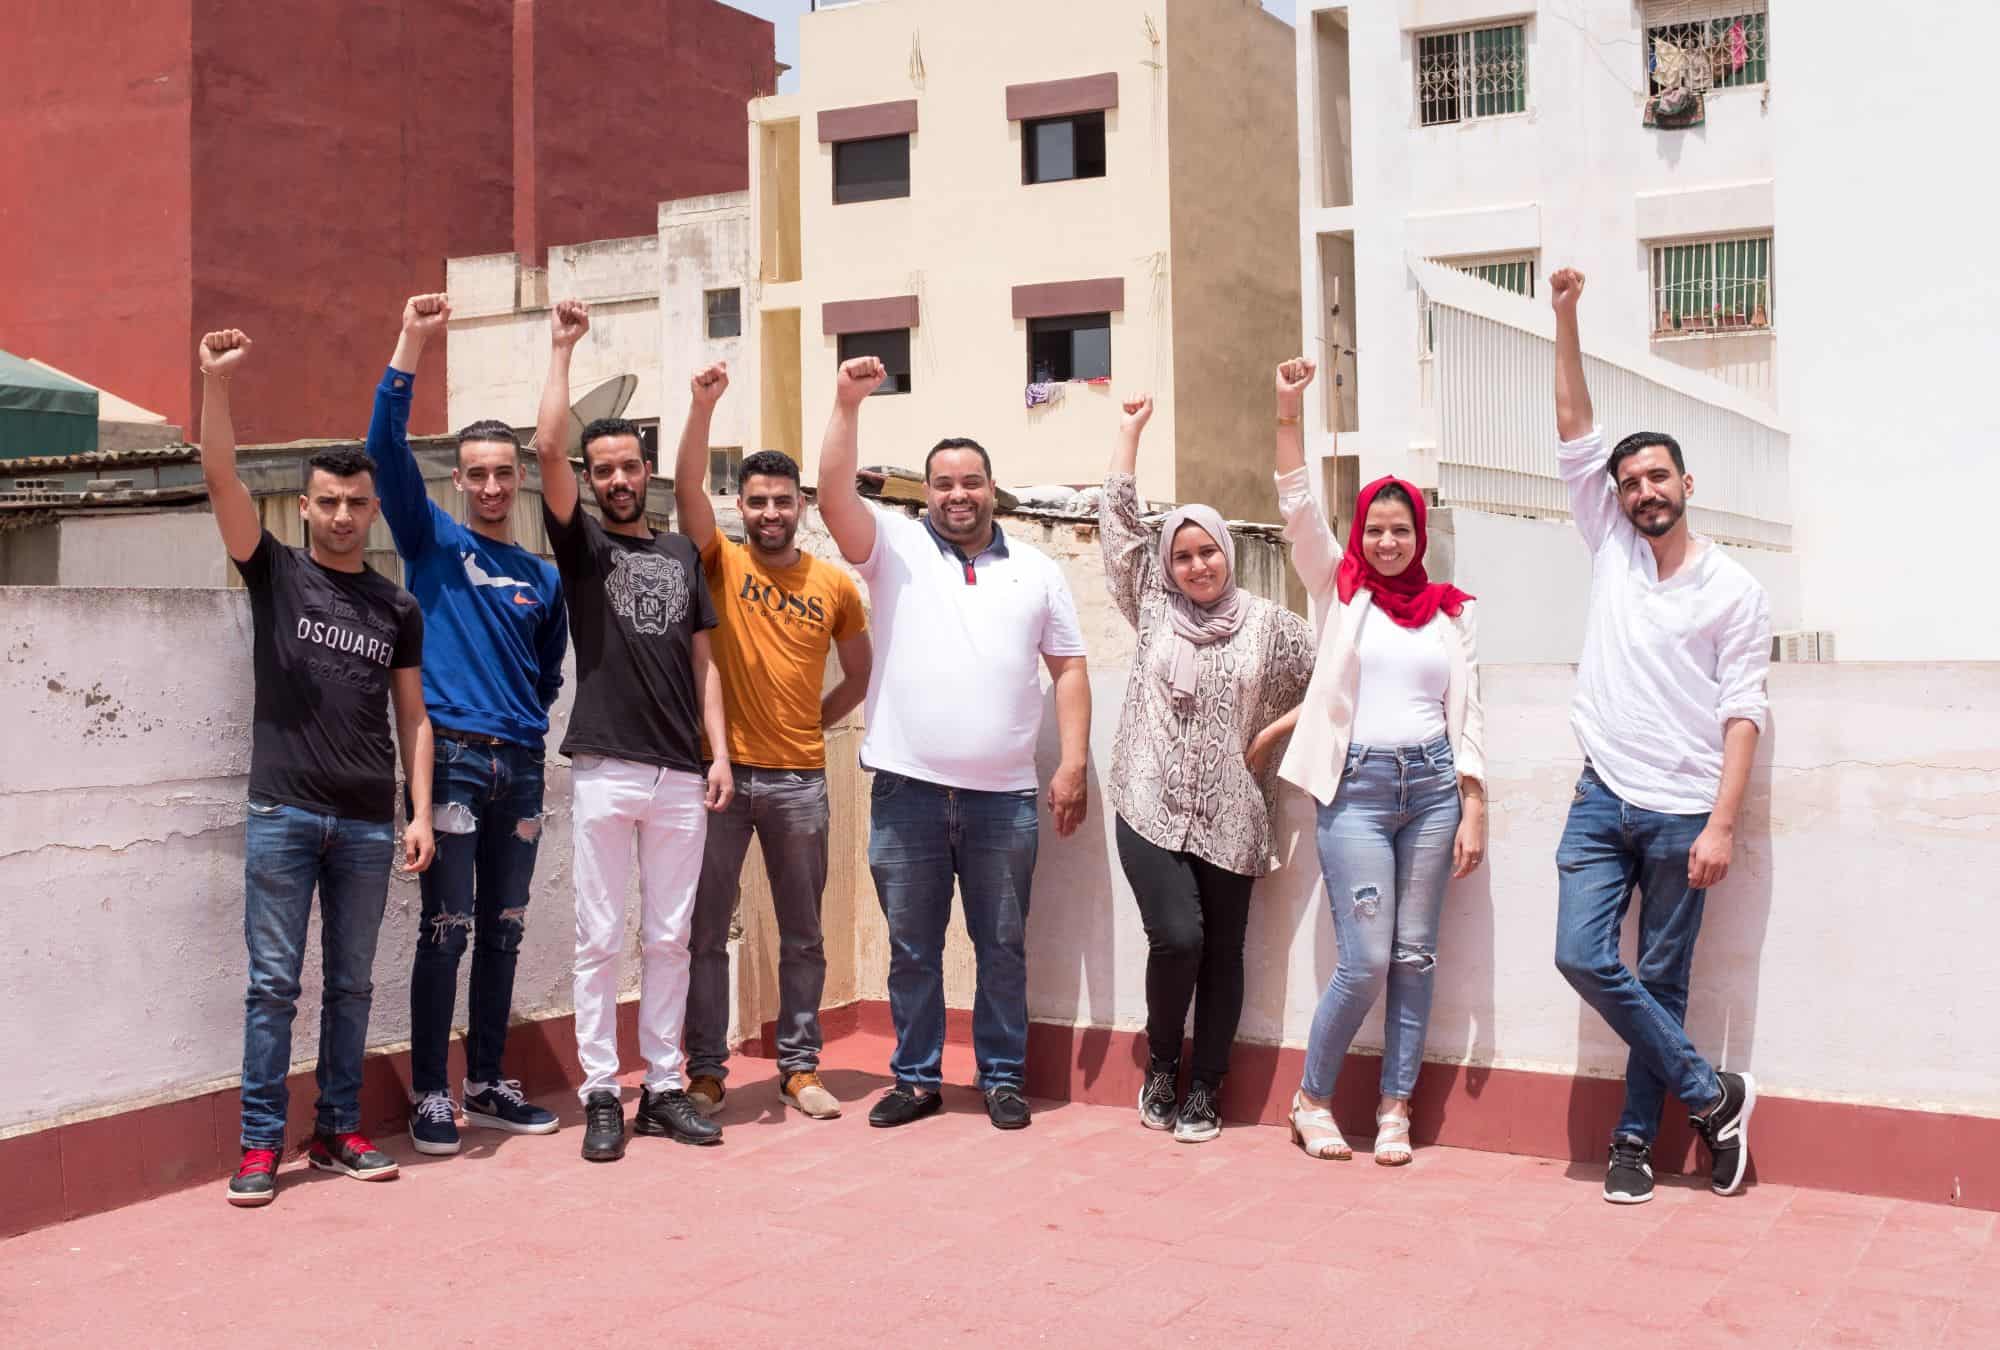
<point x="489" y="429"/>
<point x="768" y="464"/>
<point x="1640" y="440"/>
<point x="958" y="443"/>
<point x="342" y="461"/>
<point x="609" y="426"/>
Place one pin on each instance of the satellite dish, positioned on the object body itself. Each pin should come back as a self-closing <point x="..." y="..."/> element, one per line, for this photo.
<point x="603" y="400"/>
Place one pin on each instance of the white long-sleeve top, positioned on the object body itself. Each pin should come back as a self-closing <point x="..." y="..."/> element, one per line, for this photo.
<point x="1666" y="665"/>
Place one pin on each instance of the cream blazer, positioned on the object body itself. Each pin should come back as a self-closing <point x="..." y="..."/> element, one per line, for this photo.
<point x="1318" y="750"/>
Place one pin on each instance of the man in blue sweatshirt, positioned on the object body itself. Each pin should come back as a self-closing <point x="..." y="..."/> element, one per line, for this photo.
<point x="497" y="630"/>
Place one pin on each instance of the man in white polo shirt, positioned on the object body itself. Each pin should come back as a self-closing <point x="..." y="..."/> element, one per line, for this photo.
<point x="1669" y="704"/>
<point x="963" y="617"/>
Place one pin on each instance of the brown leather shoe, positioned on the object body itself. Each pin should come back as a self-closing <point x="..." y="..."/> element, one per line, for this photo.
<point x="707" y="1093"/>
<point x="808" y="1094"/>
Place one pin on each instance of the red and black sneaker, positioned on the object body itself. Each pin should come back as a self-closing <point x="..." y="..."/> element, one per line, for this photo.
<point x="351" y="1153"/>
<point x="256" y="1180"/>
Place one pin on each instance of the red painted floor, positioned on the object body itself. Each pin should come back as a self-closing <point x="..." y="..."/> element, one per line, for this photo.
<point x="1083" y="1230"/>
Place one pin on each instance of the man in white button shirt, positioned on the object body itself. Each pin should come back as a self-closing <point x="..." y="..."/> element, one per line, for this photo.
<point x="963" y="618"/>
<point x="1669" y="704"/>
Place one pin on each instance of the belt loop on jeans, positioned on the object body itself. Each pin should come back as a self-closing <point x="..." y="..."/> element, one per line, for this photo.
<point x="464" y="737"/>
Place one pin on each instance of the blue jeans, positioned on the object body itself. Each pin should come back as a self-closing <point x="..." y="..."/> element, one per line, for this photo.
<point x="787" y="809"/>
<point x="287" y="852"/>
<point x="1385" y="850"/>
<point x="487" y="818"/>
<point x="921" y="837"/>
<point x="1609" y="846"/>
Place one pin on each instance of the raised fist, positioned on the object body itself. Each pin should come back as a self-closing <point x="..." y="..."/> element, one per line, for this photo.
<point x="858" y="379"/>
<point x="426" y="315"/>
<point x="220" y="353"/>
<point x="1293" y="377"/>
<point x="708" y="384"/>
<point x="1138" y="412"/>
<point x="568" y="322"/>
<point x="1565" y="287"/>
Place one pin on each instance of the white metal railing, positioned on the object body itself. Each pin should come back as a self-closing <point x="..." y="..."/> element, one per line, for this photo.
<point x="1487" y="366"/>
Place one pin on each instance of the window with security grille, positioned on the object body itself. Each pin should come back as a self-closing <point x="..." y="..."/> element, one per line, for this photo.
<point x="1472" y="73"/>
<point x="725" y="312"/>
<point x="1706" y="44"/>
<point x="1510" y="272"/>
<point x="725" y="469"/>
<point x="1712" y="286"/>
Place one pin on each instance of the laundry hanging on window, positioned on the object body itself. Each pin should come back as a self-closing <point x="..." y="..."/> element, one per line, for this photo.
<point x="1044" y="391"/>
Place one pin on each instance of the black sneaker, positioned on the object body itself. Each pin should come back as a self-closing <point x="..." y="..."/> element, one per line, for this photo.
<point x="673" y="1115"/>
<point x="1629" y="1180"/>
<point x="351" y="1153"/>
<point x="902" y="1104"/>
<point x="603" y="1128"/>
<point x="1007" y="1108"/>
<point x="256" y="1180"/>
<point x="433" y="1126"/>
<point x="1726" y="1131"/>
<point x="1158" y="1108"/>
<point x="1199" y="1120"/>
<point x="501" y="1106"/>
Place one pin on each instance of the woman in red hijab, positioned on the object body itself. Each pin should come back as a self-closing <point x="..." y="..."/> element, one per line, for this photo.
<point x="1388" y="743"/>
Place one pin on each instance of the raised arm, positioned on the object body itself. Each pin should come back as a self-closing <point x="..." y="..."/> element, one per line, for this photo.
<point x="1315" y="554"/>
<point x="697" y="517"/>
<point x="1573" y="411"/>
<point x="568" y="322"/>
<point x="847" y="517"/>
<point x="399" y="482"/>
<point x="221" y="355"/>
<point x="1127" y="545"/>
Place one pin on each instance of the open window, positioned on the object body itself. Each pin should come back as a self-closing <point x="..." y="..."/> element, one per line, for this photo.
<point x="891" y="346"/>
<point x="1069" y="347"/>
<point x="1058" y="149"/>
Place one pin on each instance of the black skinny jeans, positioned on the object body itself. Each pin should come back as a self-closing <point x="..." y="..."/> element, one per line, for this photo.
<point x="1195" y="914"/>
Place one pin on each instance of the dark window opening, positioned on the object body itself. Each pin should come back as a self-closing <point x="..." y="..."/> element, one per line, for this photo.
<point x="725" y="313"/>
<point x="892" y="345"/>
<point x="1071" y="347"/>
<point x="1056" y="149"/>
<point x="725" y="470"/>
<point x="871" y="170"/>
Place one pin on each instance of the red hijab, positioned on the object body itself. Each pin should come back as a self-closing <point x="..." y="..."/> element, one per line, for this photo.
<point x="1410" y="597"/>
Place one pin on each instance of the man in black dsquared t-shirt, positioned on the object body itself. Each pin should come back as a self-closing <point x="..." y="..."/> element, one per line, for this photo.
<point x="646" y="688"/>
<point x="334" y="643"/>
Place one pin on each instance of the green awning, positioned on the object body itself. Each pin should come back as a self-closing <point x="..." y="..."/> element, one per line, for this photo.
<point x="43" y="413"/>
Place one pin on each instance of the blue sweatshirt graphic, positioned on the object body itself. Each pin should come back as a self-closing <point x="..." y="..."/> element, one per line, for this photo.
<point x="494" y="622"/>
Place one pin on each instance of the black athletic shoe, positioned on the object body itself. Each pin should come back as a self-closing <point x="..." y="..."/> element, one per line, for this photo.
<point x="1629" y="1180"/>
<point x="902" y="1104"/>
<point x="603" y="1128"/>
<point x="674" y="1115"/>
<point x="1726" y="1131"/>
<point x="1199" y="1122"/>
<point x="1158" y="1109"/>
<point x="1007" y="1108"/>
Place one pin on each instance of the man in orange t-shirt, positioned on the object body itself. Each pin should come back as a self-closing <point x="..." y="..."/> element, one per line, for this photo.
<point x="780" y="610"/>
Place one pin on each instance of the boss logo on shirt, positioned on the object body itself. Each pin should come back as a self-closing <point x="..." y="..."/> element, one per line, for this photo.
<point x="781" y="605"/>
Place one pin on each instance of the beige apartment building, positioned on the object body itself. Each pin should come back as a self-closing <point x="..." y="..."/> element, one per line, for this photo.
<point x="1029" y="210"/>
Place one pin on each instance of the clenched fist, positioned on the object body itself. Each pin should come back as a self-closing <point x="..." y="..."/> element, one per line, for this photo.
<point x="708" y="384"/>
<point x="221" y="352"/>
<point x="1293" y="377"/>
<point x="426" y="315"/>
<point x="1565" y="288"/>
<point x="1137" y="412"/>
<point x="568" y="322"/>
<point x="859" y="378"/>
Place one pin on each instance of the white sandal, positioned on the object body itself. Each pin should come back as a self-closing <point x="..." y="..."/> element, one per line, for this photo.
<point x="1313" y="1130"/>
<point x="1392" y="1140"/>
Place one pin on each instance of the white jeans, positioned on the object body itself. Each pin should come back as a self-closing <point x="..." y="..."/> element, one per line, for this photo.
<point x="614" y="802"/>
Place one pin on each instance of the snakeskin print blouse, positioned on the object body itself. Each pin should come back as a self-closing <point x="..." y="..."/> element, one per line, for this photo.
<point x="1181" y="782"/>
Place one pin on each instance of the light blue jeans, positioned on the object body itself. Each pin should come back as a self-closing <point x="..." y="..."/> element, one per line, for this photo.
<point x="1385" y="850"/>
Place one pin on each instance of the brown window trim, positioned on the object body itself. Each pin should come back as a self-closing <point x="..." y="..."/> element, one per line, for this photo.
<point x="867" y="316"/>
<point x="1053" y="299"/>
<point x="867" y="121"/>
<point x="1062" y="98"/>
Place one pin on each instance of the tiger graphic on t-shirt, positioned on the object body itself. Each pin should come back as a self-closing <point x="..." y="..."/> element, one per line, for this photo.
<point x="648" y="591"/>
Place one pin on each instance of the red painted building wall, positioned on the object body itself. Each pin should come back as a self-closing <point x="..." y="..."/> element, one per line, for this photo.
<point x="296" y="169"/>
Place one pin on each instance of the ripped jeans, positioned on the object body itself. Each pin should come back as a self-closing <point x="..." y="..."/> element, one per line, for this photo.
<point x="488" y="824"/>
<point x="1385" y="850"/>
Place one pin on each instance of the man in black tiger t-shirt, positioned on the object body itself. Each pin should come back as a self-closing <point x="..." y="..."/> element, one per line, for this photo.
<point x="334" y="642"/>
<point x="639" y="611"/>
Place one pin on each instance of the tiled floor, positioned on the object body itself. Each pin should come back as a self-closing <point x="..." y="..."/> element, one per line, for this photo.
<point x="1083" y="1230"/>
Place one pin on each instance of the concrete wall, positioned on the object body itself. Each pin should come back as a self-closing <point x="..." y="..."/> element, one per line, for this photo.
<point x="704" y="246"/>
<point x="151" y="549"/>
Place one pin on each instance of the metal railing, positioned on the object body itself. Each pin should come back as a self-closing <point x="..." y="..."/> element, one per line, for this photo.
<point x="1487" y="374"/>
